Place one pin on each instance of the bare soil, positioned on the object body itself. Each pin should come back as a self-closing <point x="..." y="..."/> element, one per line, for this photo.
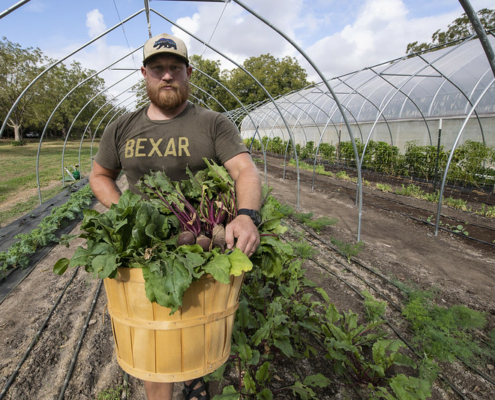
<point x="395" y="245"/>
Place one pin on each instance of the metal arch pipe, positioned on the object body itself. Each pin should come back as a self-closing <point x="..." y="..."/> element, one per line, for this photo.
<point x="13" y="8"/>
<point x="447" y="79"/>
<point x="485" y="43"/>
<point x="201" y="101"/>
<point x="399" y="90"/>
<point x="79" y="113"/>
<point x="109" y="111"/>
<point x="356" y="91"/>
<point x="335" y="98"/>
<point x="210" y="96"/>
<point x="14" y="106"/>
<point x="53" y="113"/>
<point x="248" y="73"/>
<point x="94" y="135"/>
<point x="442" y="187"/>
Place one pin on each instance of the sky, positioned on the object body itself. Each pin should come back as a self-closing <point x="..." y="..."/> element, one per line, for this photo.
<point x="340" y="36"/>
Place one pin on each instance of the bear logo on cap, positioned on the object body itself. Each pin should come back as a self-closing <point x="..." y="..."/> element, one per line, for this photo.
<point x="167" y="43"/>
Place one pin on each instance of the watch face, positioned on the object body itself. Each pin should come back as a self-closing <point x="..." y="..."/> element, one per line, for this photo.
<point x="256" y="217"/>
<point x="253" y="214"/>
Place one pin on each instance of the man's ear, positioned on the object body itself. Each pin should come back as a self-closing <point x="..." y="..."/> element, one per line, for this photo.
<point x="143" y="72"/>
<point x="189" y="71"/>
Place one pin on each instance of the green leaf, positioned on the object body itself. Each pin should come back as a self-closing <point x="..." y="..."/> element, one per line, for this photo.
<point x="219" y="267"/>
<point x="249" y="382"/>
<point x="284" y="345"/>
<point x="228" y="393"/>
<point x="265" y="394"/>
<point x="239" y="262"/>
<point x="317" y="380"/>
<point x="263" y="372"/>
<point x="104" y="265"/>
<point x="61" y="266"/>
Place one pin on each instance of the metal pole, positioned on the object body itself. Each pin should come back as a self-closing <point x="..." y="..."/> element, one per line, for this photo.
<point x="439" y="209"/>
<point x="438" y="154"/>
<point x="13" y="8"/>
<point x="14" y="106"/>
<point x="473" y="17"/>
<point x="300" y="50"/>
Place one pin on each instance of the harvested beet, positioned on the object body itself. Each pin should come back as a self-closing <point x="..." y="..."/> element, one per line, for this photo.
<point x="186" y="238"/>
<point x="204" y="242"/>
<point x="218" y="237"/>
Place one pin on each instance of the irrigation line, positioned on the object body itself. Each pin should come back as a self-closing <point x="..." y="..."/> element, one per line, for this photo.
<point x="421" y="220"/>
<point x="36" y="337"/>
<point x="79" y="344"/>
<point x="352" y="258"/>
<point x="480" y="373"/>
<point x="442" y="215"/>
<point x="45" y="248"/>
<point x="396" y="331"/>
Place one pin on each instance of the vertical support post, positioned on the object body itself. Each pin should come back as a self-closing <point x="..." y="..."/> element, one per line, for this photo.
<point x="438" y="154"/>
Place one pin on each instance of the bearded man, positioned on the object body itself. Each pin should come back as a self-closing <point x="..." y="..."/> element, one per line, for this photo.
<point x="168" y="135"/>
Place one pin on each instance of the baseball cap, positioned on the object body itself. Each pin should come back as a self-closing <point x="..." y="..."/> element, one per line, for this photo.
<point x="164" y="43"/>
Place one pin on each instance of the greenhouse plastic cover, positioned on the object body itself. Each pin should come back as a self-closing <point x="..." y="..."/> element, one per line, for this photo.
<point x="442" y="83"/>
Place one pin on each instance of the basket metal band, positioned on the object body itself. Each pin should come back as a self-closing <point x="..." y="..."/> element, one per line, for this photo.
<point x="169" y="325"/>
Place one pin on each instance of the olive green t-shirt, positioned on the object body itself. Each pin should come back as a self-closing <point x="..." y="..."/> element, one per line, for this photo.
<point x="138" y="145"/>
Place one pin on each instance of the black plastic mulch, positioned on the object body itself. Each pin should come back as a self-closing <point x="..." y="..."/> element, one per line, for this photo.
<point x="26" y="224"/>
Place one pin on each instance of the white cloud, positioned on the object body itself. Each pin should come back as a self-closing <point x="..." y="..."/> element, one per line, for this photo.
<point x="35" y="6"/>
<point x="380" y="33"/>
<point x="95" y="23"/>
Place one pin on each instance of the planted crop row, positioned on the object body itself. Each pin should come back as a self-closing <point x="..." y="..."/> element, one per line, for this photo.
<point x="45" y="233"/>
<point x="472" y="162"/>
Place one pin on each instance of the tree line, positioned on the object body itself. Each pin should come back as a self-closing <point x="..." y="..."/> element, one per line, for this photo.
<point x="19" y="66"/>
<point x="224" y="90"/>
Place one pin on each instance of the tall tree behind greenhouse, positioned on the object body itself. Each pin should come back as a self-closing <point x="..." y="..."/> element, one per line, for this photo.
<point x="458" y="29"/>
<point x="277" y="76"/>
<point x="18" y="67"/>
<point x="205" y="76"/>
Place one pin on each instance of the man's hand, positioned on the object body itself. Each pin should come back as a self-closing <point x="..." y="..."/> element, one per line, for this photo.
<point x="243" y="229"/>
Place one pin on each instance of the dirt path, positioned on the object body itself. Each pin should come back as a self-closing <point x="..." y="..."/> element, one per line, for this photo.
<point x="394" y="245"/>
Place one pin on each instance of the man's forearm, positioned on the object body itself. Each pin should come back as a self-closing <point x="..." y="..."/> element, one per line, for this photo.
<point x="105" y="189"/>
<point x="248" y="189"/>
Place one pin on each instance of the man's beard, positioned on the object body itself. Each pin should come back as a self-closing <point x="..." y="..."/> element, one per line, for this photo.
<point x="169" y="99"/>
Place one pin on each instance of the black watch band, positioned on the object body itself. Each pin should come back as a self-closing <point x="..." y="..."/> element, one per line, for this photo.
<point x="255" y="215"/>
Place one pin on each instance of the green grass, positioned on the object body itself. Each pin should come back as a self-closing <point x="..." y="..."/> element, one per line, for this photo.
<point x="18" y="166"/>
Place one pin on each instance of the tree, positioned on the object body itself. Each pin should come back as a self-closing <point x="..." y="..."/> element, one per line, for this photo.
<point x="205" y="75"/>
<point x="18" y="67"/>
<point x="277" y="76"/>
<point x="458" y="29"/>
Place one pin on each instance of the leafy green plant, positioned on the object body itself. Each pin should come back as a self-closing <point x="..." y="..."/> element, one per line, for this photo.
<point x="18" y="254"/>
<point x="411" y="190"/>
<point x="342" y="175"/>
<point x="458" y="204"/>
<point x="321" y="223"/>
<point x="145" y="234"/>
<point x="384" y="187"/>
<point x="443" y="333"/>
<point x="347" y="343"/>
<point x="374" y="309"/>
<point x="112" y="393"/>
<point x="348" y="250"/>
<point x="16" y="143"/>
<point x="487" y="211"/>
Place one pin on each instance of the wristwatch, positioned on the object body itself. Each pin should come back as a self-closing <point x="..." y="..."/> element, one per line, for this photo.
<point x="255" y="215"/>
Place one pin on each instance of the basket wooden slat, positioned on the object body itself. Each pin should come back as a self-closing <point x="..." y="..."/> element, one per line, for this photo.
<point x="152" y="345"/>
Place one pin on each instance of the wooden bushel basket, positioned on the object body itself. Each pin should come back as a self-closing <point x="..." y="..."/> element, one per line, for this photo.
<point x="154" y="346"/>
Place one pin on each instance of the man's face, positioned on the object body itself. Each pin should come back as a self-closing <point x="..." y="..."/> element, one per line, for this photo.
<point x="167" y="81"/>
